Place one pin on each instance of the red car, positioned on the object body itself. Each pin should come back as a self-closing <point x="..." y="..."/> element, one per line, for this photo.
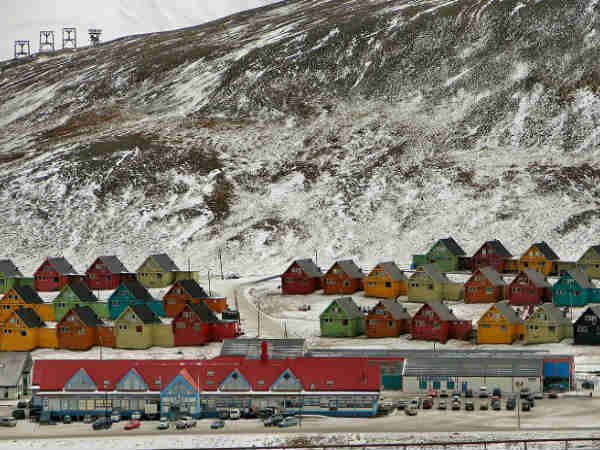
<point x="433" y="393"/>
<point x="132" y="424"/>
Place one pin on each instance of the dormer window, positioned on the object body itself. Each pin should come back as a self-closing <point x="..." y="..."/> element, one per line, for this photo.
<point x="330" y="382"/>
<point x="261" y="382"/>
<point x="158" y="381"/>
<point x="286" y="376"/>
<point x="234" y="375"/>
<point x="210" y="373"/>
<point x="106" y="383"/>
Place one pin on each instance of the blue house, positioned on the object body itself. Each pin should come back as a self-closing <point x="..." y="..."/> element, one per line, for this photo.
<point x="132" y="291"/>
<point x="574" y="288"/>
<point x="180" y="397"/>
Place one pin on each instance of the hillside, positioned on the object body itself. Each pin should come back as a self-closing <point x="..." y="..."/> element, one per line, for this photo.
<point x="361" y="129"/>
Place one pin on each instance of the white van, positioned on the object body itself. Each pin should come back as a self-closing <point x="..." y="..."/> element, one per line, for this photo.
<point x="234" y="413"/>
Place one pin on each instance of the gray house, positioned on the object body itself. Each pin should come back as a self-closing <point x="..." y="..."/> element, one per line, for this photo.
<point x="15" y="375"/>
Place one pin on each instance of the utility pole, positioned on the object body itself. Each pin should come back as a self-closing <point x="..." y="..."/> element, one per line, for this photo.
<point x="209" y="293"/>
<point x="221" y="264"/>
<point x="258" y="310"/>
<point x="316" y="259"/>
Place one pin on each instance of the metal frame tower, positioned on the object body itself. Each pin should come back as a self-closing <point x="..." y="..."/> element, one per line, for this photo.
<point x="20" y="51"/>
<point x="69" y="37"/>
<point x="94" y="36"/>
<point x="47" y="41"/>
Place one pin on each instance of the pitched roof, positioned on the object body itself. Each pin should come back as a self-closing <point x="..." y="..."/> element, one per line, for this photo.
<point x="393" y="271"/>
<point x="12" y="366"/>
<point x="493" y="276"/>
<point x="348" y="306"/>
<point x="397" y="311"/>
<point x="594" y="308"/>
<point x="29" y="316"/>
<point x="251" y="348"/>
<point x="309" y="267"/>
<point x="499" y="249"/>
<point x="28" y="294"/>
<point x="581" y="277"/>
<point x="82" y="292"/>
<point x="537" y="277"/>
<point x="596" y="248"/>
<point x="144" y="312"/>
<point x="441" y="310"/>
<point x="8" y="269"/>
<point x="554" y="313"/>
<point x="434" y="273"/>
<point x="165" y="262"/>
<point x="193" y="288"/>
<point x="62" y="266"/>
<point x="546" y="251"/>
<point x="203" y="312"/>
<point x="351" y="269"/>
<point x="506" y="310"/>
<point x="87" y="316"/>
<point x="114" y="264"/>
<point x="453" y="246"/>
<point x="138" y="290"/>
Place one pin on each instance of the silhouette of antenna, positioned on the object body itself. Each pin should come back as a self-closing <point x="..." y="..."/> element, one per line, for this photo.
<point x="69" y="37"/>
<point x="46" y="41"/>
<point x="94" y="36"/>
<point x="22" y="49"/>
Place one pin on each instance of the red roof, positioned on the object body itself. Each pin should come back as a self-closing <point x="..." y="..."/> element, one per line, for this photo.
<point x="324" y="374"/>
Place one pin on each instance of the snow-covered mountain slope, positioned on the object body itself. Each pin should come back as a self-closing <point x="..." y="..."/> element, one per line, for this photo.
<point x="25" y="19"/>
<point x="358" y="129"/>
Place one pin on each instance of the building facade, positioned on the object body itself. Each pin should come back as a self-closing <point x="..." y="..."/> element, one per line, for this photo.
<point x="386" y="280"/>
<point x="106" y="273"/>
<point x="301" y="277"/>
<point x="387" y="318"/>
<point x="342" y="318"/>
<point x="343" y="277"/>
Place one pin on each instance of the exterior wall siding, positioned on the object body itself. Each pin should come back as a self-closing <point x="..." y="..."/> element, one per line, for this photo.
<point x="340" y="284"/>
<point x="163" y="335"/>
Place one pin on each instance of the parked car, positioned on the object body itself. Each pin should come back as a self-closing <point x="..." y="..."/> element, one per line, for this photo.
<point x="273" y="420"/>
<point x="115" y="417"/>
<point x="433" y="393"/>
<point x="525" y="406"/>
<point x="483" y="393"/>
<point x="217" y="424"/>
<point x="266" y="412"/>
<point x="442" y="404"/>
<point x="401" y="404"/>
<point x="469" y="405"/>
<point x="103" y="423"/>
<point x="88" y="418"/>
<point x="538" y="395"/>
<point x="587" y="384"/>
<point x="224" y="414"/>
<point x="497" y="392"/>
<point x="416" y="402"/>
<point x="455" y="405"/>
<point x="180" y="425"/>
<point x="234" y="414"/>
<point x="484" y="405"/>
<point x="511" y="403"/>
<point x="18" y="414"/>
<point x="456" y="393"/>
<point x="163" y="424"/>
<point x="249" y="413"/>
<point x="8" y="422"/>
<point x="288" y="422"/>
<point x="469" y="393"/>
<point x="553" y="394"/>
<point x="190" y="422"/>
<point x="524" y="393"/>
<point x="444" y="393"/>
<point x="304" y="307"/>
<point x="427" y="403"/>
<point x="411" y="410"/>
<point x="132" y="425"/>
<point x="22" y="404"/>
<point x="232" y="276"/>
<point x="531" y="400"/>
<point x="136" y="415"/>
<point x="67" y="419"/>
<point x="496" y="405"/>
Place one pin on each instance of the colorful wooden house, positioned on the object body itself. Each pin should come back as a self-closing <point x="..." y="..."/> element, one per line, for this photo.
<point x="78" y="329"/>
<point x="586" y="329"/>
<point x="590" y="262"/>
<point x="446" y="254"/>
<point x="429" y="283"/>
<point x="24" y="330"/>
<point x="386" y="280"/>
<point x="24" y="297"/>
<point x="106" y="273"/>
<point x="10" y="276"/>
<point x="54" y="274"/>
<point x="135" y="327"/>
<point x="342" y="318"/>
<point x="499" y="325"/>
<point x="529" y="287"/>
<point x="189" y="291"/>
<point x="197" y="324"/>
<point x="301" y="277"/>
<point x="159" y="271"/>
<point x="491" y="254"/>
<point x="539" y="257"/>
<point x="132" y="292"/>
<point x="343" y="277"/>
<point x="387" y="318"/>
<point x="546" y="324"/>
<point x="77" y="294"/>
<point x="485" y="286"/>
<point x="574" y="288"/>
<point x="435" y="321"/>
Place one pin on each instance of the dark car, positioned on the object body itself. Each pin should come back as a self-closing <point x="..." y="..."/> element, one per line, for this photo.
<point x="67" y="419"/>
<point x="401" y="404"/>
<point x="469" y="393"/>
<point x="22" y="404"/>
<point x="103" y="423"/>
<point x="587" y="384"/>
<point x="496" y="405"/>
<point x="469" y="405"/>
<point x="525" y="406"/>
<point x="511" y="403"/>
<point x="531" y="400"/>
<point x="217" y="424"/>
<point x="273" y="420"/>
<point x="553" y="394"/>
<point x="497" y="392"/>
<point x="18" y="414"/>
<point x="249" y="414"/>
<point x="266" y="412"/>
<point x="524" y="393"/>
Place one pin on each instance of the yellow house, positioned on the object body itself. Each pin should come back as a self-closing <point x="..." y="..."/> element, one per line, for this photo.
<point x="159" y="271"/>
<point x="134" y="328"/>
<point x="24" y="330"/>
<point x="539" y="257"/>
<point x="386" y="280"/>
<point x="24" y="297"/>
<point x="547" y="323"/>
<point x="590" y="261"/>
<point x="499" y="325"/>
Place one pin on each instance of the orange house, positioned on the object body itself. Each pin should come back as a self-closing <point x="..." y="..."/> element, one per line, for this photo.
<point x="344" y="277"/>
<point x="24" y="297"/>
<point x="539" y="257"/>
<point x="485" y="286"/>
<point x="78" y="329"/>
<point x="189" y="291"/>
<point x="387" y="318"/>
<point x="386" y="280"/>
<point x="499" y="325"/>
<point x="22" y="332"/>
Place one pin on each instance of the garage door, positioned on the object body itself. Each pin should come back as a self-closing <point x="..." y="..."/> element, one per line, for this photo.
<point x="549" y="369"/>
<point x="562" y="369"/>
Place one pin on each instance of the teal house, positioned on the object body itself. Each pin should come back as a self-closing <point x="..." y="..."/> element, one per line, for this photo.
<point x="574" y="288"/>
<point x="132" y="291"/>
<point x="342" y="318"/>
<point x="11" y="276"/>
<point x="77" y="294"/>
<point x="446" y="254"/>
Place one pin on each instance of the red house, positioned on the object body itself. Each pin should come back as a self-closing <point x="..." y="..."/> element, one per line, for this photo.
<point x="106" y="273"/>
<point x="302" y="277"/>
<point x="436" y="322"/>
<point x="529" y="288"/>
<point x="344" y="277"/>
<point x="53" y="274"/>
<point x="189" y="291"/>
<point x="197" y="324"/>
<point x="492" y="254"/>
<point x="485" y="286"/>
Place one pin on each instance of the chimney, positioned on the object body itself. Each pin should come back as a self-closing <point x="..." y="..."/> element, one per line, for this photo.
<point x="264" y="351"/>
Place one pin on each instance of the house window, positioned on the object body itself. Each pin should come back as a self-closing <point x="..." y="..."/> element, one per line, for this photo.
<point x="504" y="327"/>
<point x="261" y="382"/>
<point x="139" y="328"/>
<point x="346" y="283"/>
<point x="330" y="382"/>
<point x="489" y="290"/>
<point x="122" y="327"/>
<point x="450" y="384"/>
<point x="372" y="283"/>
<point x="430" y="287"/>
<point x="197" y="327"/>
<point x="552" y="329"/>
<point x="81" y="331"/>
<point x="180" y="325"/>
<point x="390" y="324"/>
<point x="422" y="384"/>
<point x="210" y="373"/>
<point x="388" y="284"/>
<point x="23" y="333"/>
<point x="582" y="329"/>
<point x="436" y="325"/>
<point x="345" y="322"/>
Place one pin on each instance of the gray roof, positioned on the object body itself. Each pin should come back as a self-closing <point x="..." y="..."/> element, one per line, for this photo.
<point x="30" y="317"/>
<point x="351" y="269"/>
<point x="82" y="292"/>
<point x="114" y="264"/>
<point x="193" y="288"/>
<point x="493" y="276"/>
<point x="554" y="313"/>
<point x="12" y="366"/>
<point x="545" y="249"/>
<point x="251" y="348"/>
<point x="581" y="277"/>
<point x="441" y="310"/>
<point x="348" y="306"/>
<point x="393" y="271"/>
<point x="434" y="273"/>
<point x="62" y="266"/>
<point x="144" y="312"/>
<point x="28" y="294"/>
<point x="203" y="312"/>
<point x="453" y="246"/>
<point x="8" y="269"/>
<point x="137" y="289"/>
<point x="338" y="352"/>
<point x="506" y="310"/>
<point x="309" y="267"/>
<point x="88" y="316"/>
<point x="499" y="248"/>
<point x="537" y="277"/>
<point x="457" y="365"/>
<point x="165" y="262"/>
<point x="596" y="248"/>
<point x="397" y="311"/>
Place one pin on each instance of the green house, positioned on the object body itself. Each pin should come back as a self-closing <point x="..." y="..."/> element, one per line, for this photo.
<point x="11" y="276"/>
<point x="574" y="288"/>
<point x="342" y="318"/>
<point x="590" y="262"/>
<point x="445" y="254"/>
<point x="77" y="294"/>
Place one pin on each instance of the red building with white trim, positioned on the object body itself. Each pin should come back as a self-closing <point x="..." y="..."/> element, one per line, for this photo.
<point x="54" y="274"/>
<point x="106" y="273"/>
<point x="436" y="322"/>
<point x="301" y="277"/>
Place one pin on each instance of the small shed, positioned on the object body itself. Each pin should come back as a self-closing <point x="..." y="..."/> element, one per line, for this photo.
<point x="189" y="291"/>
<point x="135" y="327"/>
<point x="132" y="292"/>
<point x="54" y="274"/>
<point x="485" y="286"/>
<point x="343" y="277"/>
<point x="160" y="271"/>
<point x="446" y="254"/>
<point x="342" y="318"/>
<point x="301" y="277"/>
<point x="430" y="283"/>
<point x="78" y="329"/>
<point x="387" y="318"/>
<point x="77" y="294"/>
<point x="386" y="280"/>
<point x="11" y="276"/>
